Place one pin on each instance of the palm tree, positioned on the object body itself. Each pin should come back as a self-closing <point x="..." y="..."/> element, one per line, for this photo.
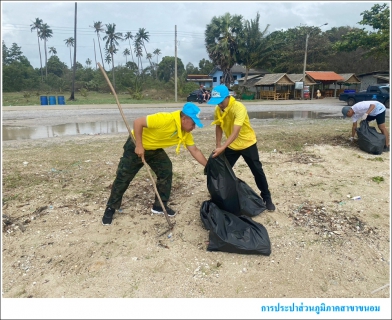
<point x="52" y="50"/>
<point x="70" y="43"/>
<point x="88" y="62"/>
<point x="157" y="52"/>
<point x="255" y="49"/>
<point x="142" y="36"/>
<point x="222" y="37"/>
<point x="36" y="25"/>
<point x="125" y="54"/>
<point x="128" y="36"/>
<point x="99" y="28"/>
<point x="112" y="38"/>
<point x="45" y="33"/>
<point x="108" y="58"/>
<point x="138" y="54"/>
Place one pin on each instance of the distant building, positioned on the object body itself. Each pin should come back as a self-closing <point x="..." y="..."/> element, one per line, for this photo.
<point x="237" y="71"/>
<point x="371" y="78"/>
<point x="200" y="79"/>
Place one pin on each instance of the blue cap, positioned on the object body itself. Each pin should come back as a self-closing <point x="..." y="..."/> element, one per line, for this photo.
<point x="218" y="94"/>
<point x="345" y="110"/>
<point x="192" y="111"/>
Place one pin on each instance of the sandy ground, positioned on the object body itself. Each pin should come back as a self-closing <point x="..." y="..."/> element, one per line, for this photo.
<point x="324" y="244"/>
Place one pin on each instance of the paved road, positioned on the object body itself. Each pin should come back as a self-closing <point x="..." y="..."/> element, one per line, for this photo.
<point x="32" y="116"/>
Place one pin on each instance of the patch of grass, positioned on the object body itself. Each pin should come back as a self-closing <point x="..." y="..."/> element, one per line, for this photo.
<point x="378" y="179"/>
<point x="91" y="97"/>
<point x="377" y="159"/>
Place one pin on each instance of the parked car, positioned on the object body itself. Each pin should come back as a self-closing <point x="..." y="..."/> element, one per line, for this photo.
<point x="378" y="92"/>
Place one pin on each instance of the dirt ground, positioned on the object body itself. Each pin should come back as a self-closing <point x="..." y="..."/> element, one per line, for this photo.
<point x="324" y="244"/>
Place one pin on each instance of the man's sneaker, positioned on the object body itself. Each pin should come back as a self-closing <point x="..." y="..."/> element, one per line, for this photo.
<point x="386" y="149"/>
<point x="108" y="216"/>
<point x="270" y="206"/>
<point x="158" y="210"/>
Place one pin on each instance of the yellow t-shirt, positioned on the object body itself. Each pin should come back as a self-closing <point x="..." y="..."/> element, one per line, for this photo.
<point x="164" y="130"/>
<point x="235" y="114"/>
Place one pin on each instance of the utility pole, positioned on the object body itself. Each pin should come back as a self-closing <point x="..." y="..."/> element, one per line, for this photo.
<point x="303" y="73"/>
<point x="306" y="52"/>
<point x="72" y="97"/>
<point x="175" y="64"/>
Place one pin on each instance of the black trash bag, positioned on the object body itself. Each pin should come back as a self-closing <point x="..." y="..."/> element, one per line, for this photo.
<point x="369" y="139"/>
<point x="229" y="233"/>
<point x="251" y="204"/>
<point x="230" y="193"/>
<point x="222" y="184"/>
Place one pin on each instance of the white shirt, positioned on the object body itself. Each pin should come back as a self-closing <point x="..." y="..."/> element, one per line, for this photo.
<point x="360" y="109"/>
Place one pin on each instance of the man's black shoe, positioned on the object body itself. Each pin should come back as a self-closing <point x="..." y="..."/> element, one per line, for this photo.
<point x="158" y="210"/>
<point x="108" y="216"/>
<point x="386" y="149"/>
<point x="270" y="206"/>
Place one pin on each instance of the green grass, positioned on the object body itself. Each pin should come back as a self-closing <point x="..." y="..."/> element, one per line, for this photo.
<point x="33" y="98"/>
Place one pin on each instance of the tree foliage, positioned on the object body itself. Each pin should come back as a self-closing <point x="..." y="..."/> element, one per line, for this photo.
<point x="222" y="38"/>
<point x="374" y="43"/>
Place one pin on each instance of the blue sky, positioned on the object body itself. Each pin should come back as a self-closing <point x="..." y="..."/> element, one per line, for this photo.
<point x="159" y="19"/>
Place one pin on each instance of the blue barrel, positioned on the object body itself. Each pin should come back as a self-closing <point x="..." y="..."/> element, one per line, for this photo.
<point x="52" y="100"/>
<point x="60" y="100"/>
<point x="44" y="100"/>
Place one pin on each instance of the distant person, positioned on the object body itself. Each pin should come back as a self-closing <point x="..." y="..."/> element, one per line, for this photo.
<point x="231" y="117"/>
<point x="152" y="134"/>
<point x="368" y="111"/>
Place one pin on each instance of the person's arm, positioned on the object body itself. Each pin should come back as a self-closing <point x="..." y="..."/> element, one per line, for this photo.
<point x="138" y="126"/>
<point x="197" y="154"/>
<point x="371" y="108"/>
<point x="230" y="139"/>
<point x="218" y="136"/>
<point x="353" y="130"/>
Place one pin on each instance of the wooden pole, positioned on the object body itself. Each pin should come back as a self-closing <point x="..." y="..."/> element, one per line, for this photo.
<point x="131" y="135"/>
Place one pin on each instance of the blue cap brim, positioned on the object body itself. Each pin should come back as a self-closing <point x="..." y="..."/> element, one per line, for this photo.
<point x="215" y="100"/>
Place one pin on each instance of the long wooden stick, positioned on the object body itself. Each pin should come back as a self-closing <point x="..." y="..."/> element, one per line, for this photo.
<point x="131" y="135"/>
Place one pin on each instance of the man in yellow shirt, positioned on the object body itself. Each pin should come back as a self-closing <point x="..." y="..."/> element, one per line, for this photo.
<point x="231" y="117"/>
<point x="152" y="134"/>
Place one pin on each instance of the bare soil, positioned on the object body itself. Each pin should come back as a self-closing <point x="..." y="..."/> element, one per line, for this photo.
<point x="324" y="244"/>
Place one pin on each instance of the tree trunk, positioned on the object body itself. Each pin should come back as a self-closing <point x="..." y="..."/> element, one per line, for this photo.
<point x="40" y="57"/>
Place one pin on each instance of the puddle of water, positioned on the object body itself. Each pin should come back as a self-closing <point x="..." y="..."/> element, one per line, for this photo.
<point x="105" y="127"/>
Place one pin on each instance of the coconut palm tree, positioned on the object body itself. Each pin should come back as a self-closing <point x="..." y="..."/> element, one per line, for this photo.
<point x="88" y="62"/>
<point x="70" y="43"/>
<point x="52" y="50"/>
<point x="156" y="52"/>
<point x="128" y="36"/>
<point x="142" y="35"/>
<point x="45" y="33"/>
<point x="36" y="25"/>
<point x="99" y="28"/>
<point x="125" y="54"/>
<point x="138" y="54"/>
<point x="112" y="37"/>
<point x="222" y="37"/>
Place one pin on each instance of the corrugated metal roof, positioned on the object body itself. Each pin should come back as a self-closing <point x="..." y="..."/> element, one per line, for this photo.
<point x="249" y="77"/>
<point x="297" y="77"/>
<point x="273" y="79"/>
<point x="324" y="76"/>
<point x="251" y="82"/>
<point x="349" y="78"/>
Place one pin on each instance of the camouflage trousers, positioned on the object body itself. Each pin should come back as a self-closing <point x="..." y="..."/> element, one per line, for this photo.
<point x="129" y="166"/>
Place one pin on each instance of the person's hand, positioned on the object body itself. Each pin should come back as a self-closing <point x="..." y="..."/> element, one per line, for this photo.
<point x="351" y="139"/>
<point x="217" y="152"/>
<point x="364" y="116"/>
